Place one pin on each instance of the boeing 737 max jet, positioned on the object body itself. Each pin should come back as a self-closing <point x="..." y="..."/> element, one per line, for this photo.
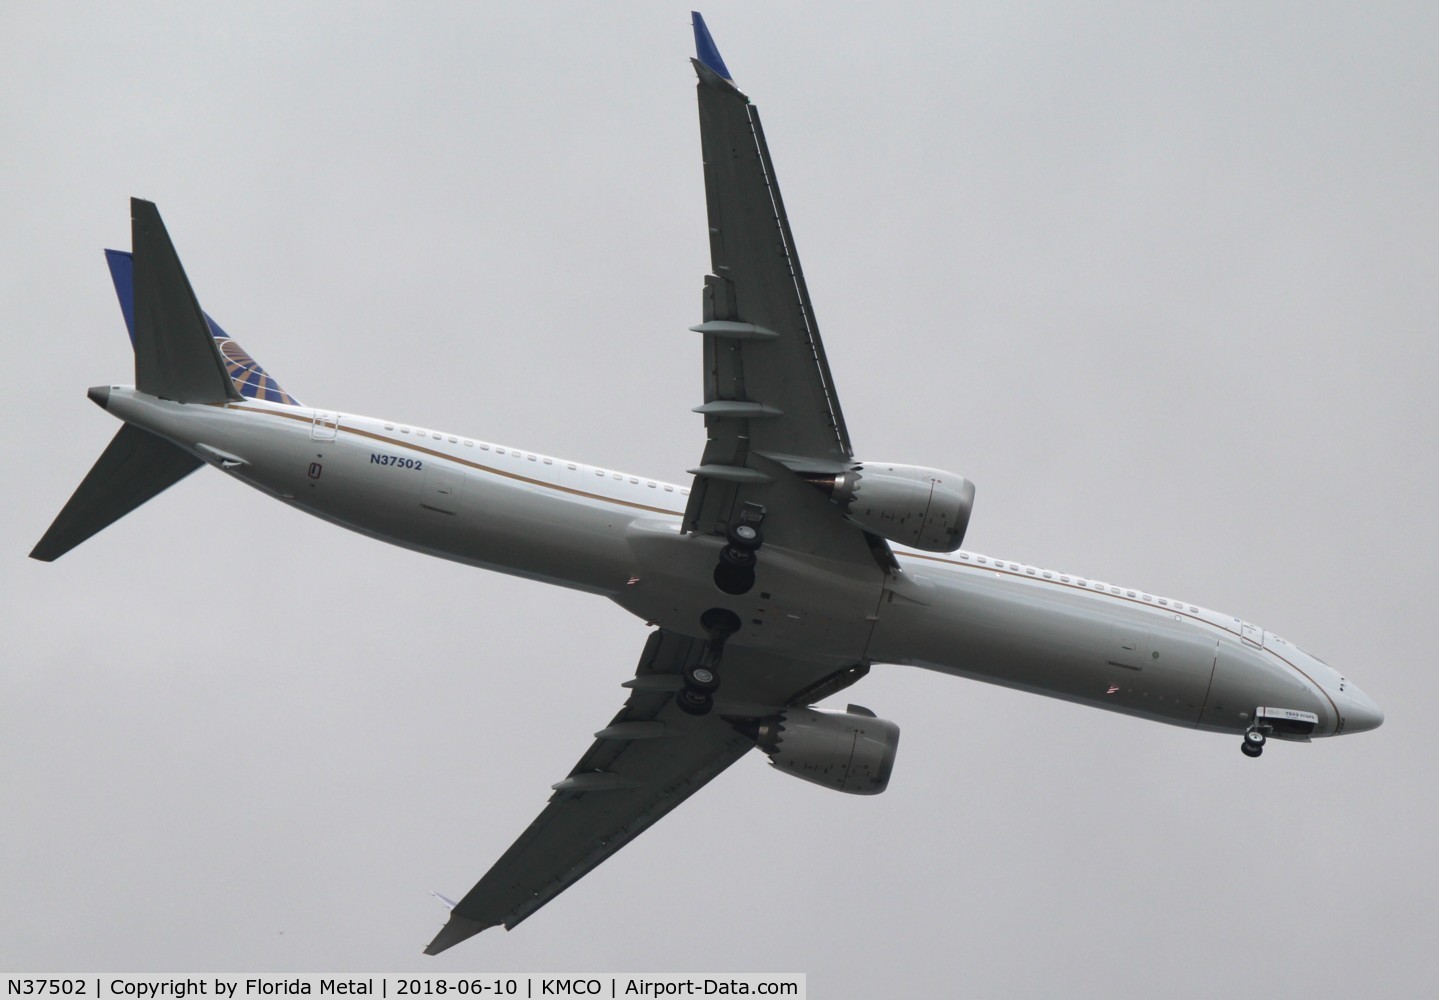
<point x="785" y="569"/>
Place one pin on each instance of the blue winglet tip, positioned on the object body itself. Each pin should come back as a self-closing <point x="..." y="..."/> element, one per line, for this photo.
<point x="705" y="50"/>
<point x="122" y="273"/>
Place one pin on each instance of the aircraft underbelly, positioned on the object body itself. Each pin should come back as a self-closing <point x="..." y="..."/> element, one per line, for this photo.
<point x="802" y="605"/>
<point x="1025" y="635"/>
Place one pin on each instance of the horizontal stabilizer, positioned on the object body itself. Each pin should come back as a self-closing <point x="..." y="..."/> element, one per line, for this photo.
<point x="175" y="353"/>
<point x="135" y="467"/>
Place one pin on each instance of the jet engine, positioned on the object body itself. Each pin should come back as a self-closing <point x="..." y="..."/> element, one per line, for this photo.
<point x="923" y="508"/>
<point x="852" y="751"/>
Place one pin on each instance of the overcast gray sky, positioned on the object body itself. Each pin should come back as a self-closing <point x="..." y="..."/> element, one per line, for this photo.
<point x="1159" y="278"/>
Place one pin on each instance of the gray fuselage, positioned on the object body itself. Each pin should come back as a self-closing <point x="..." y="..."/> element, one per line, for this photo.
<point x="617" y="535"/>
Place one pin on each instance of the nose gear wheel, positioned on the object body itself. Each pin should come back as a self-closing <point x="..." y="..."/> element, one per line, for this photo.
<point x="1254" y="740"/>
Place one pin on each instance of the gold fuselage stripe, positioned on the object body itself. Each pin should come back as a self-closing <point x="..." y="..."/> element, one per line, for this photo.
<point x="411" y="446"/>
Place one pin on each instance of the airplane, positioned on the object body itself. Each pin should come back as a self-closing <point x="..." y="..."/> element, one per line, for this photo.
<point x="773" y="581"/>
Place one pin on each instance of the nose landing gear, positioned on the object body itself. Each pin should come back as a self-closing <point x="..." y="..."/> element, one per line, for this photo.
<point x="1254" y="740"/>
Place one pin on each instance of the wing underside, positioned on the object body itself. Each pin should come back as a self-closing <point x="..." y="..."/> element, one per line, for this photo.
<point x="649" y="759"/>
<point x="768" y="393"/>
<point x="772" y="416"/>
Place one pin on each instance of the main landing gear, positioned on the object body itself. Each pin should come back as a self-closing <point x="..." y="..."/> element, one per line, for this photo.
<point x="735" y="572"/>
<point x="701" y="679"/>
<point x="1254" y="740"/>
<point x="734" y="575"/>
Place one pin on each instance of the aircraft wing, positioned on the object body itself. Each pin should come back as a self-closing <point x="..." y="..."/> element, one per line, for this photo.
<point x="648" y="760"/>
<point x="770" y="408"/>
<point x="772" y="419"/>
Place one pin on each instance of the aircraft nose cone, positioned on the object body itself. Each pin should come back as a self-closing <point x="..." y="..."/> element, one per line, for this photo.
<point x="1360" y="712"/>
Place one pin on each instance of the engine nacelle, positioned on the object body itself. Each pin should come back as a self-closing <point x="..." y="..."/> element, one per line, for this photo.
<point x="923" y="508"/>
<point x="850" y="751"/>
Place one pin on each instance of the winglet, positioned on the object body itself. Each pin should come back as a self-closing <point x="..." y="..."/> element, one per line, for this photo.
<point x="122" y="273"/>
<point x="705" y="50"/>
<point x="449" y="903"/>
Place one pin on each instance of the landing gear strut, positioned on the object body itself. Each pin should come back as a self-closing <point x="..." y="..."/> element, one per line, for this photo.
<point x="735" y="572"/>
<point x="1254" y="740"/>
<point x="701" y="679"/>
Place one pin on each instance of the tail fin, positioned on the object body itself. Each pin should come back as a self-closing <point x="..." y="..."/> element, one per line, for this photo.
<point x="245" y="376"/>
<point x="175" y="353"/>
<point x="134" y="468"/>
<point x="180" y="354"/>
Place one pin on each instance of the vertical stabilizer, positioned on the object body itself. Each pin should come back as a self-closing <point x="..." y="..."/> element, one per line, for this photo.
<point x="251" y="381"/>
<point x="175" y="355"/>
